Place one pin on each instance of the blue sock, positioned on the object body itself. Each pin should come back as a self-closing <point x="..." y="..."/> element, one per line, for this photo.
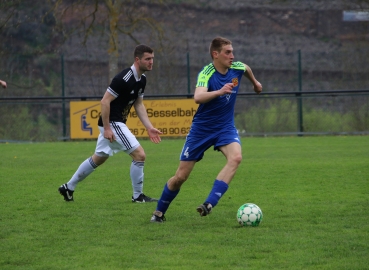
<point x="219" y="188"/>
<point x="166" y="198"/>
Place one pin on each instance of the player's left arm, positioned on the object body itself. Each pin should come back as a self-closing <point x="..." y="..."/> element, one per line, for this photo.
<point x="144" y="118"/>
<point x="249" y="75"/>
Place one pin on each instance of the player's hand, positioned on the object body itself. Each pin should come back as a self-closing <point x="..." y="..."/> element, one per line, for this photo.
<point x="154" y="135"/>
<point x="109" y="135"/>
<point x="227" y="89"/>
<point x="3" y="84"/>
<point x="258" y="87"/>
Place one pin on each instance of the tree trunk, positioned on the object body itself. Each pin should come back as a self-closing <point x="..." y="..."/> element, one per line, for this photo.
<point x="113" y="7"/>
<point x="113" y="64"/>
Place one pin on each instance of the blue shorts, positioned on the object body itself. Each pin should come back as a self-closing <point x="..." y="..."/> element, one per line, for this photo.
<point x="197" y="143"/>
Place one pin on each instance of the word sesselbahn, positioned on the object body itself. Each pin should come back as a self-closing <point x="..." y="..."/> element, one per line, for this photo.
<point x="166" y="113"/>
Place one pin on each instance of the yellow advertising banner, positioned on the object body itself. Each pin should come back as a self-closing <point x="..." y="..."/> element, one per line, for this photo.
<point x="172" y="117"/>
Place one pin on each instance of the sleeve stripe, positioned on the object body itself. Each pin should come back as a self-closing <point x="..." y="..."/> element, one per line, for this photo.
<point x="128" y="75"/>
<point x="111" y="91"/>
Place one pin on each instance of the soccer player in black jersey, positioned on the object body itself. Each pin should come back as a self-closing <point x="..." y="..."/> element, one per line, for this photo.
<point x="125" y="90"/>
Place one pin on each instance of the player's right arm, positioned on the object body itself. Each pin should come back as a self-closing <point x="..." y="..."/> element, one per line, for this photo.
<point x="3" y="84"/>
<point x="203" y="96"/>
<point x="105" y="115"/>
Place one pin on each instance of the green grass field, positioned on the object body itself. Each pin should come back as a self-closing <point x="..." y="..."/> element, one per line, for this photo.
<point x="314" y="193"/>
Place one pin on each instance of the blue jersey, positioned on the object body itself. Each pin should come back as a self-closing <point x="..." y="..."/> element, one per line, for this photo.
<point x="219" y="112"/>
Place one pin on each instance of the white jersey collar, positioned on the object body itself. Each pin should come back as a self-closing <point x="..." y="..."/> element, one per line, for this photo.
<point x="135" y="73"/>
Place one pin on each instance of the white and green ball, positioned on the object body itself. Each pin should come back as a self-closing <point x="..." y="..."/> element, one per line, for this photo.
<point x="249" y="214"/>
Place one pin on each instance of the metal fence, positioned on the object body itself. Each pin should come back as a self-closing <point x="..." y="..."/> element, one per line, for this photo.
<point x="303" y="92"/>
<point x="268" y="114"/>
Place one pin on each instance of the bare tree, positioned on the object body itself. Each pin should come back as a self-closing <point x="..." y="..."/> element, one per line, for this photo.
<point x="7" y="9"/>
<point x="113" y="17"/>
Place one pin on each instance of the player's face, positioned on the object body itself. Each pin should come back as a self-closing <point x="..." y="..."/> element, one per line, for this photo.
<point x="146" y="62"/>
<point x="225" y="56"/>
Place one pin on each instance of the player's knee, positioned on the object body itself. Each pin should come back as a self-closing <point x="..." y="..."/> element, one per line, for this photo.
<point x="236" y="159"/>
<point x="138" y="155"/>
<point x="99" y="160"/>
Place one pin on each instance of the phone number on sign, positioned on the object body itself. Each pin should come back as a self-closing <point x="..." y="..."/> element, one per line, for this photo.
<point x="164" y="131"/>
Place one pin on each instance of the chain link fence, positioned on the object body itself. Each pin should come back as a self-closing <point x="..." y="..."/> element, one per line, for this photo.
<point x="33" y="108"/>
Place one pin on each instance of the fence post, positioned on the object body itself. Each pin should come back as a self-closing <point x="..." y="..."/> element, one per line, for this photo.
<point x="188" y="74"/>
<point x="299" y="99"/>
<point x="63" y="98"/>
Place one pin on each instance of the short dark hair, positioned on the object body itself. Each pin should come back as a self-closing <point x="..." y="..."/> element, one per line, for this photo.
<point x="141" y="49"/>
<point x="217" y="44"/>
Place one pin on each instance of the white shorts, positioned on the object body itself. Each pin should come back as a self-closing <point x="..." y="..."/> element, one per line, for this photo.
<point x="124" y="141"/>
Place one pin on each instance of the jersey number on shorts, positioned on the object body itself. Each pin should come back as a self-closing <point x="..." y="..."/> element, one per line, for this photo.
<point x="186" y="153"/>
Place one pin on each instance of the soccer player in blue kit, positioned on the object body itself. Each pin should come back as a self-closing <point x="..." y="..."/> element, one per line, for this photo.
<point x="212" y="125"/>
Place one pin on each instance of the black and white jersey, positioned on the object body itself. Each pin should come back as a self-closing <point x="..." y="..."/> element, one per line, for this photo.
<point x="126" y="87"/>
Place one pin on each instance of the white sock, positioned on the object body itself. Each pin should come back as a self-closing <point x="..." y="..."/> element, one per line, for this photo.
<point x="84" y="170"/>
<point x="137" y="176"/>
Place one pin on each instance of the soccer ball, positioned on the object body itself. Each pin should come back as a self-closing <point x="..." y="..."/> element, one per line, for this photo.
<point x="249" y="214"/>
